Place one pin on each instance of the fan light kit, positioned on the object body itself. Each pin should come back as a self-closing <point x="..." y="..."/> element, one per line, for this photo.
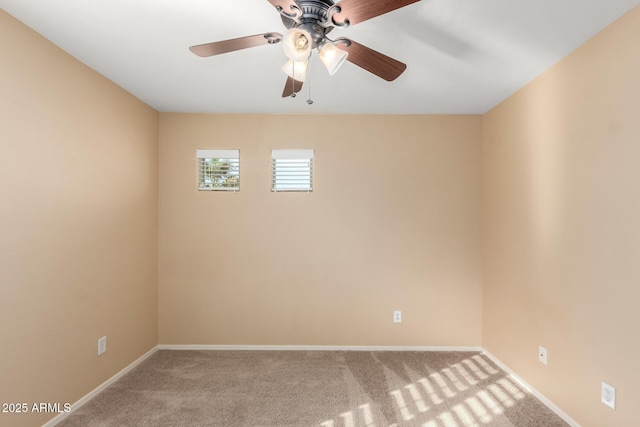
<point x="297" y="70"/>
<point x="308" y="22"/>
<point x="297" y="44"/>
<point x="332" y="57"/>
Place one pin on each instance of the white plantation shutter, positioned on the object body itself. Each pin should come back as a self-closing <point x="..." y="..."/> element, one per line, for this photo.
<point x="291" y="170"/>
<point x="218" y="170"/>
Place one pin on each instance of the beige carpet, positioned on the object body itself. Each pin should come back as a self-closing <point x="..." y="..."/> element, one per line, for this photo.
<point x="314" y="388"/>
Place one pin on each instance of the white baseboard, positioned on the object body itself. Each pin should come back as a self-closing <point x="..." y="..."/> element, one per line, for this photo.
<point x="532" y="390"/>
<point x="314" y="348"/>
<point x="100" y="388"/>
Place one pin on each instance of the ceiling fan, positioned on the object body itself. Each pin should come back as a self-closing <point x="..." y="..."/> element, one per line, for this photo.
<point x="308" y="22"/>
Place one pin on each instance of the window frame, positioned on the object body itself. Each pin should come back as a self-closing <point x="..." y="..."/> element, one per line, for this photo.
<point x="298" y="160"/>
<point x="232" y="157"/>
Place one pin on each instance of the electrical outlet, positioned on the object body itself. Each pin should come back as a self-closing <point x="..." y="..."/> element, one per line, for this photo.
<point x="102" y="345"/>
<point x="397" y="316"/>
<point x="542" y="355"/>
<point x="608" y="395"/>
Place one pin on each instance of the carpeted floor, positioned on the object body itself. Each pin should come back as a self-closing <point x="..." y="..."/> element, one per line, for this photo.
<point x="314" y="388"/>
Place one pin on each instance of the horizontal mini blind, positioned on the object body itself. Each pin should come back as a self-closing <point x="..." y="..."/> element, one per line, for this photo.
<point x="218" y="170"/>
<point x="292" y="170"/>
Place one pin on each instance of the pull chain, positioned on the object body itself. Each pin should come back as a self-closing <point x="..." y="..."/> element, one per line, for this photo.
<point x="309" y="100"/>
<point x="293" y="80"/>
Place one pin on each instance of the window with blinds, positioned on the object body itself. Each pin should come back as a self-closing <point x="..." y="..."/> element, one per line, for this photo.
<point x="292" y="170"/>
<point x="218" y="170"/>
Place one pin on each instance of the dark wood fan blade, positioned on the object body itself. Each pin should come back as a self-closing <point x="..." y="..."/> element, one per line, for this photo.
<point x="356" y="11"/>
<point x="217" y="48"/>
<point x="373" y="61"/>
<point x="291" y="86"/>
<point x="284" y="5"/>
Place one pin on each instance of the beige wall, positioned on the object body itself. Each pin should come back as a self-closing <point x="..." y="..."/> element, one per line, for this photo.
<point x="78" y="224"/>
<point x="392" y="223"/>
<point x="561" y="162"/>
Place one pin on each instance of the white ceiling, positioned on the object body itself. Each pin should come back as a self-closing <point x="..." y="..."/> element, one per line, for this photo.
<point x="463" y="56"/>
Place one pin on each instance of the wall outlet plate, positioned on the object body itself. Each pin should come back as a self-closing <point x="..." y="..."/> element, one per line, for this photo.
<point x="608" y="395"/>
<point x="102" y="345"/>
<point x="542" y="355"/>
<point x="397" y="316"/>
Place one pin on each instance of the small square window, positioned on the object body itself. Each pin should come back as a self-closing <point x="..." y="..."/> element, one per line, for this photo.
<point x="218" y="170"/>
<point x="291" y="170"/>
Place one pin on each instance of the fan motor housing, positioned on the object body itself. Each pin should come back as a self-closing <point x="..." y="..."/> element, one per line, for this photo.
<point x="314" y="19"/>
<point x="315" y="10"/>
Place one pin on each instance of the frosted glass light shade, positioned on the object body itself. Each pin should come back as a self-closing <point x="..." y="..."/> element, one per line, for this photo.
<point x="332" y="57"/>
<point x="297" y="70"/>
<point x="297" y="44"/>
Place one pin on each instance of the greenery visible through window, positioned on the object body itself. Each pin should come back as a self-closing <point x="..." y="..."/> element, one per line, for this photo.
<point x="221" y="172"/>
